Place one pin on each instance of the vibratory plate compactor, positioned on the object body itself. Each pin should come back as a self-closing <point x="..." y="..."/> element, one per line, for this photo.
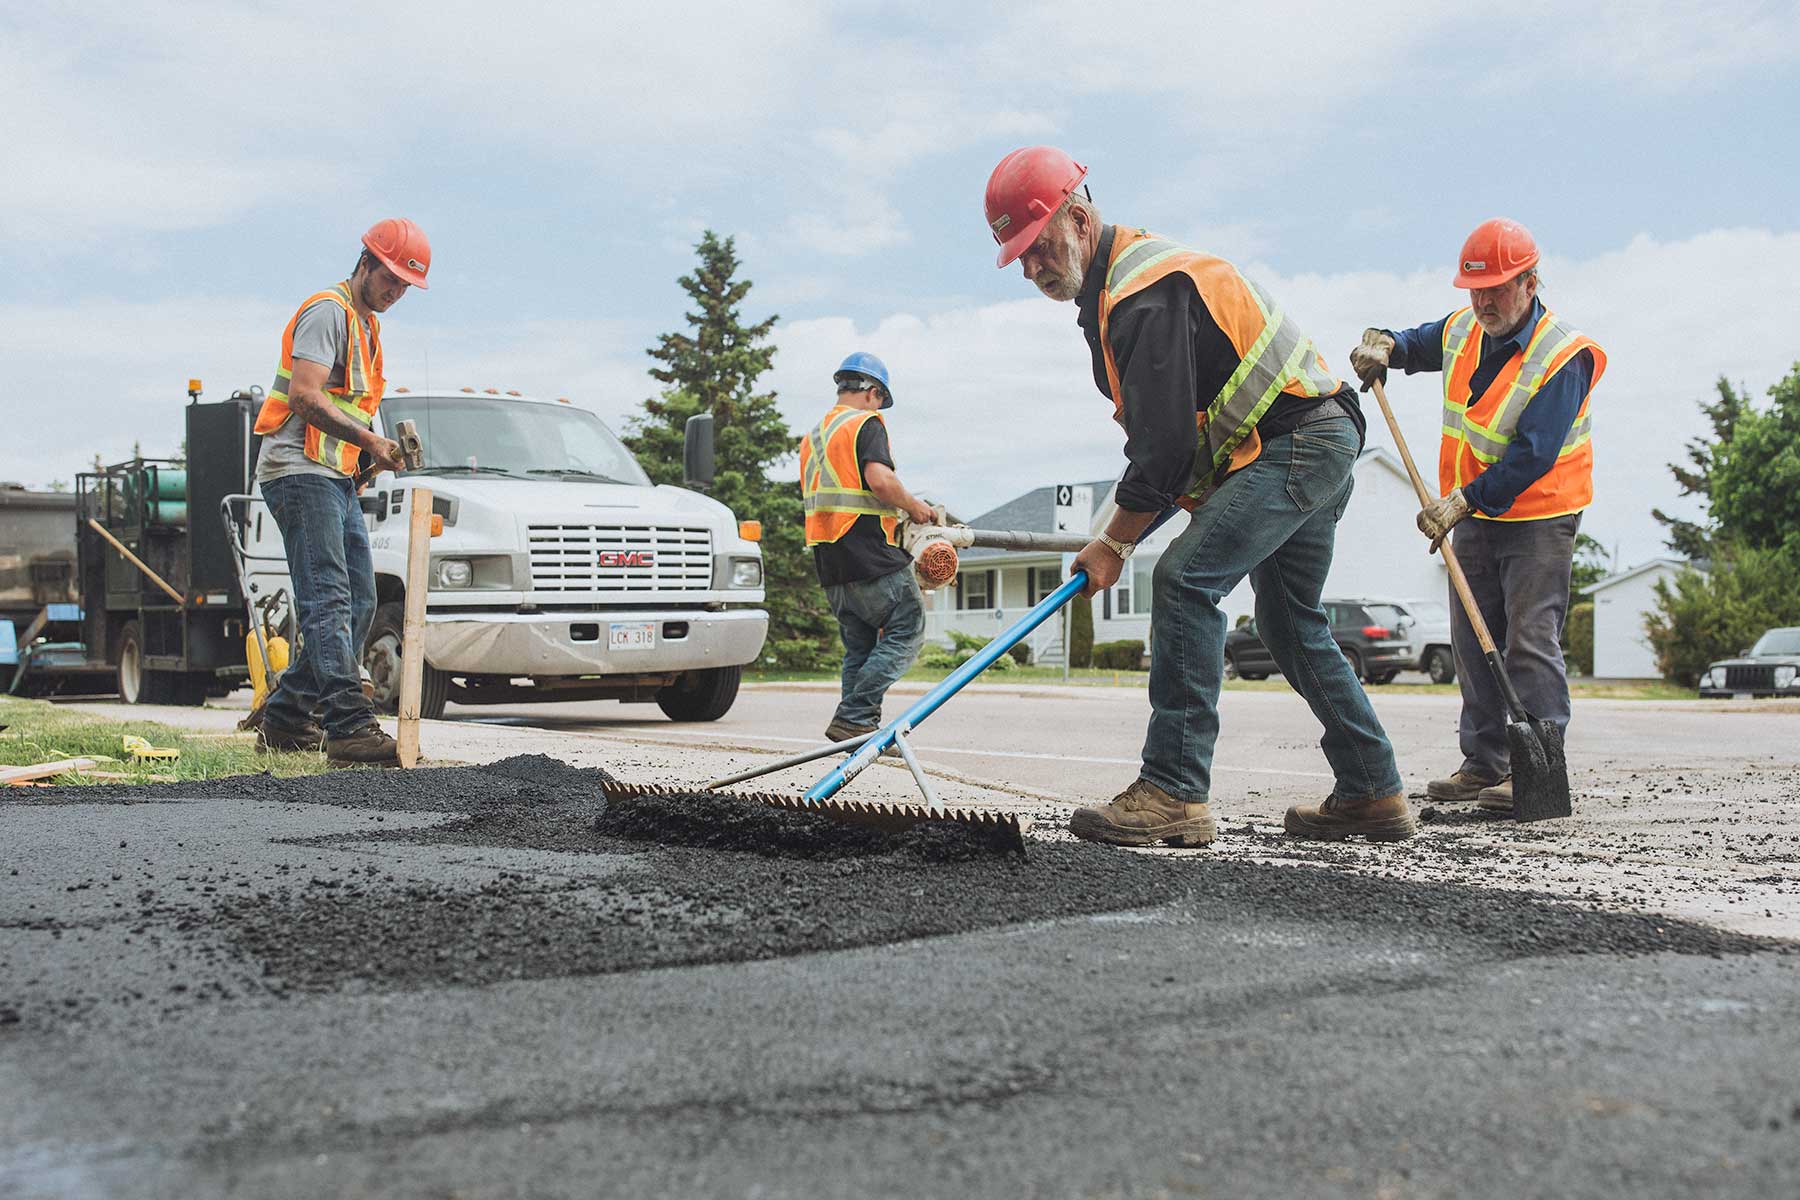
<point x="933" y="551"/>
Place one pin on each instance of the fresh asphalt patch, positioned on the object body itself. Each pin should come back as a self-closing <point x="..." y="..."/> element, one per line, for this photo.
<point x="595" y="888"/>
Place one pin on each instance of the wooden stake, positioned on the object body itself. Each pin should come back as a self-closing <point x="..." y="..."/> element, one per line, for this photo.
<point x="45" y="770"/>
<point x="412" y="642"/>
<point x="137" y="562"/>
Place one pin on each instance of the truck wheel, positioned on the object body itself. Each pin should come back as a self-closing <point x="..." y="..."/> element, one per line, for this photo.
<point x="137" y="683"/>
<point x="381" y="658"/>
<point x="1355" y="661"/>
<point x="701" y="695"/>
<point x="1440" y="665"/>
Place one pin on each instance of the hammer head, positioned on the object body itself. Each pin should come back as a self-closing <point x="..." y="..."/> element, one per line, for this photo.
<point x="411" y="449"/>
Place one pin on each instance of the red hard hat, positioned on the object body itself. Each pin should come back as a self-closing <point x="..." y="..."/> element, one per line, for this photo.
<point x="1498" y="250"/>
<point x="402" y="248"/>
<point x="1024" y="192"/>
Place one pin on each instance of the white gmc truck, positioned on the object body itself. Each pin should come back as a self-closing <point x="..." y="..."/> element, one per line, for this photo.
<point x="562" y="572"/>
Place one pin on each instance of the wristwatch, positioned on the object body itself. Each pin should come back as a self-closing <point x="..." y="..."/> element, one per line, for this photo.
<point x="1122" y="549"/>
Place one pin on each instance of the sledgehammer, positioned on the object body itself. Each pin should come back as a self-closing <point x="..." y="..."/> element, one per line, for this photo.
<point x="1540" y="769"/>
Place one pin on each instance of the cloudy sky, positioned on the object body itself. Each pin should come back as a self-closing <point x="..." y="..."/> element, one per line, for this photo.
<point x="175" y="177"/>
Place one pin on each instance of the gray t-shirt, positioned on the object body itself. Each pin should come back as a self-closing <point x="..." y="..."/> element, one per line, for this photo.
<point x="319" y="337"/>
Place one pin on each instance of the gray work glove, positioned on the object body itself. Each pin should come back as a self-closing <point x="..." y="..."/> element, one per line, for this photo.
<point x="1370" y="360"/>
<point x="1440" y="516"/>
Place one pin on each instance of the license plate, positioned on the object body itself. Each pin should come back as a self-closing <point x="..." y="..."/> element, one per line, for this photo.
<point x="631" y="635"/>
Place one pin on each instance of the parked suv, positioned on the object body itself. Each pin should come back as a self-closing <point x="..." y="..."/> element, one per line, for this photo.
<point x="1368" y="632"/>
<point x="1426" y="624"/>
<point x="1769" y="668"/>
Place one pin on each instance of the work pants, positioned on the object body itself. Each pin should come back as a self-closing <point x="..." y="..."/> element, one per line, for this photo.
<point x="1519" y="574"/>
<point x="882" y="623"/>
<point x="333" y="587"/>
<point x="1275" y="521"/>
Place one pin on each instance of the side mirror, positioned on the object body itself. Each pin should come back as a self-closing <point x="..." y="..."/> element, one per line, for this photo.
<point x="697" y="453"/>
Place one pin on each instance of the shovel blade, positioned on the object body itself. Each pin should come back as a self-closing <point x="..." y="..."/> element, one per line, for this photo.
<point x="1540" y="771"/>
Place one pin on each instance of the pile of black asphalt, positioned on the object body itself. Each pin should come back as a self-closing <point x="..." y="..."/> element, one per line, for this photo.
<point x="705" y="878"/>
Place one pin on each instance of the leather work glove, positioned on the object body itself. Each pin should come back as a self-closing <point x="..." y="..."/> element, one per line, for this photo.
<point x="1440" y="516"/>
<point x="1370" y="360"/>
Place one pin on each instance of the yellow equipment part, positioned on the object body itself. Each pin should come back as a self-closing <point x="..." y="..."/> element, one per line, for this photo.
<point x="140" y="749"/>
<point x="260" y="682"/>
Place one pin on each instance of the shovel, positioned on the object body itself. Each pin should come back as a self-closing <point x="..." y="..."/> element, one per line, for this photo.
<point x="1540" y="769"/>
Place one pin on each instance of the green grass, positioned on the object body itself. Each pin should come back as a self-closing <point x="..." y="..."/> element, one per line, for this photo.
<point x="37" y="732"/>
<point x="1092" y="677"/>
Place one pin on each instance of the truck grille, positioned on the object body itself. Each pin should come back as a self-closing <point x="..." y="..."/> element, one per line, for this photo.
<point x="1745" y="679"/>
<point x="619" y="558"/>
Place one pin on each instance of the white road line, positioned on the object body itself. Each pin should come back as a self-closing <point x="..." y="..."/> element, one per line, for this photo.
<point x="1080" y="758"/>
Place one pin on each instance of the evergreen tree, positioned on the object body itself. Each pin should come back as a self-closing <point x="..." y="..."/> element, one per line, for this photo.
<point x="1754" y="487"/>
<point x="713" y="367"/>
<point x="1694" y="539"/>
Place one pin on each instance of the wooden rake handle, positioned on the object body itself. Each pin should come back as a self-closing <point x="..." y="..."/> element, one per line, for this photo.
<point x="1457" y="579"/>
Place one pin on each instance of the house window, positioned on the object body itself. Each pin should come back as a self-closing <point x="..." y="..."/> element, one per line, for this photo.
<point x="1130" y="597"/>
<point x="975" y="589"/>
<point x="1041" y="581"/>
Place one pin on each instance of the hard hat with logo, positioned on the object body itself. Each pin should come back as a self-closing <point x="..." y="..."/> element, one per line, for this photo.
<point x="867" y="366"/>
<point x="1498" y="250"/>
<point x="401" y="247"/>
<point x="1024" y="192"/>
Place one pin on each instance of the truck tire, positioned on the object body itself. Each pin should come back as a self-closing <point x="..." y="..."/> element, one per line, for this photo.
<point x="136" y="683"/>
<point x="1440" y="665"/>
<point x="381" y="658"/>
<point x="701" y="695"/>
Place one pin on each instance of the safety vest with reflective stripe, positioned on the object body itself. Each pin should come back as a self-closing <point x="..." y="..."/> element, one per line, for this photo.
<point x="831" y="482"/>
<point x="357" y="398"/>
<point x="1478" y="430"/>
<point x="1275" y="357"/>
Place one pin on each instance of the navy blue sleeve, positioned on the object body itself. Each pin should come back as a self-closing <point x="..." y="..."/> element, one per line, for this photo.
<point x="1420" y="348"/>
<point x="1543" y="426"/>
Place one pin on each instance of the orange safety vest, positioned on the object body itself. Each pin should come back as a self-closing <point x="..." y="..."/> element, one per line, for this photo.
<point x="1477" y="431"/>
<point x="831" y="482"/>
<point x="357" y="398"/>
<point x="1275" y="356"/>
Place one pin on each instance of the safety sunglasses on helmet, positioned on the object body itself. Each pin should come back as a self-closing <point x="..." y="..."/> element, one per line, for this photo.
<point x="850" y="381"/>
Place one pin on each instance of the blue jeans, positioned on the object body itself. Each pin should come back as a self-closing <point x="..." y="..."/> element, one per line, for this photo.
<point x="882" y="622"/>
<point x="1518" y="572"/>
<point x="1275" y="521"/>
<point x="334" y="601"/>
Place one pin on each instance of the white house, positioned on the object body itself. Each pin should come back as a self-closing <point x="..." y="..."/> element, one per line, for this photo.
<point x="1622" y="601"/>
<point x="1380" y="553"/>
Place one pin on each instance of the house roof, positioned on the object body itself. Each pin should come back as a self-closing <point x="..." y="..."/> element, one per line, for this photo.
<point x="1033" y="512"/>
<point x="1655" y="564"/>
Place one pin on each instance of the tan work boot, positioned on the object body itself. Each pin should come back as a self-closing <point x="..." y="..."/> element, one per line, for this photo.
<point x="1383" y="819"/>
<point x="367" y="747"/>
<point x="842" y="731"/>
<point x="1144" y="813"/>
<point x="1497" y="799"/>
<point x="1459" y="787"/>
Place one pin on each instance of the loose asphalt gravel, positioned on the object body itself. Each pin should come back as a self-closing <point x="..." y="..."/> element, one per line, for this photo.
<point x="1087" y="1021"/>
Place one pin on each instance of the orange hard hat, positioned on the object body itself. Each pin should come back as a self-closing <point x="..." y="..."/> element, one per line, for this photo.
<point x="1498" y="250"/>
<point x="401" y="247"/>
<point x="1024" y="192"/>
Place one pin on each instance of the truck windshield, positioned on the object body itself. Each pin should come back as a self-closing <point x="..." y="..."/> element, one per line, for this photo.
<point x="1778" y="641"/>
<point x="512" y="437"/>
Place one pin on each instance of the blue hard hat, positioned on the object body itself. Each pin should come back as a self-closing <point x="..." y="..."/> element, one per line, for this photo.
<point x="864" y="363"/>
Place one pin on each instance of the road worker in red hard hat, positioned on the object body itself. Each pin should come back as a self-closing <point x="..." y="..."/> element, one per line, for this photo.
<point x="1517" y="456"/>
<point x="1231" y="413"/>
<point x="317" y="429"/>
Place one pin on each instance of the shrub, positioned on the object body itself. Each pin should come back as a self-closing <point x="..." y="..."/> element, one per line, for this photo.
<point x="939" y="660"/>
<point x="1081" y="632"/>
<point x="1578" y="638"/>
<point x="1124" y="655"/>
<point x="1701" y="618"/>
<point x="967" y="643"/>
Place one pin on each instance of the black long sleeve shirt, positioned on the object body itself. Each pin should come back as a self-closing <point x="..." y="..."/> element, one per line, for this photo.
<point x="1173" y="358"/>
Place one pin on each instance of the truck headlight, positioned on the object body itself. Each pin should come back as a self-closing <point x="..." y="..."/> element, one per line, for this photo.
<point x="746" y="573"/>
<point x="1714" y="678"/>
<point x="1784" y="676"/>
<point x="455" y="572"/>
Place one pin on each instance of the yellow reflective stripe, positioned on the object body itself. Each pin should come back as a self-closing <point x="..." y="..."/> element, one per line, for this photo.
<point x="1136" y="260"/>
<point x="831" y="500"/>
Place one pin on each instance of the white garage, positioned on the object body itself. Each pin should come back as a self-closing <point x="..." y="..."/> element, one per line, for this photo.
<point x="1621" y="604"/>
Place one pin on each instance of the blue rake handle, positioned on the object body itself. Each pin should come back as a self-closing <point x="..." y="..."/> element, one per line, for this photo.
<point x="933" y="700"/>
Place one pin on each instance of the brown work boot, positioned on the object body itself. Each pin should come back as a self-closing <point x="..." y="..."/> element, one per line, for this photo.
<point x="1144" y="813"/>
<point x="1459" y="787"/>
<point x="1497" y="799"/>
<point x="841" y="730"/>
<point x="270" y="736"/>
<point x="1383" y="819"/>
<point x="367" y="747"/>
